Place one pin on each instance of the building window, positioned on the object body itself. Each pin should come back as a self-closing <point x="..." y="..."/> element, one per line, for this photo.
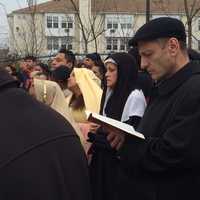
<point x="112" y="23"/>
<point x="49" y="43"/>
<point x="115" y="26"/>
<point x="67" y="22"/>
<point x="70" y="25"/>
<point x="108" y="44"/>
<point x="112" y="26"/>
<point x="64" y="22"/>
<point x="117" y="44"/>
<point x="55" y="43"/>
<point x="117" y="22"/>
<point x="123" y="26"/>
<point x="64" y="42"/>
<point x="109" y="26"/>
<point x="112" y="44"/>
<point x="70" y="21"/>
<point x="122" y="47"/>
<point x="69" y="47"/>
<point x="129" y="26"/>
<point x="52" y="43"/>
<point x="124" y="43"/>
<point x="126" y="25"/>
<point x="49" y="21"/>
<point x="55" y="22"/>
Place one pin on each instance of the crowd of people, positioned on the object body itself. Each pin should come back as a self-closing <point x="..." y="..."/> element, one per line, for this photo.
<point x="50" y="150"/>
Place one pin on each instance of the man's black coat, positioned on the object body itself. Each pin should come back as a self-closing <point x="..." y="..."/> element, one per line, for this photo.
<point x="167" y="164"/>
<point x="40" y="155"/>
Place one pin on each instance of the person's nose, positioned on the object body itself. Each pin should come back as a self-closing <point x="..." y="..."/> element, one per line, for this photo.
<point x="144" y="63"/>
<point x="106" y="74"/>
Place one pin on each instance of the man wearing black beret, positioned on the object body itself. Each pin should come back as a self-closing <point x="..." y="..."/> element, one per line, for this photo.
<point x="164" y="166"/>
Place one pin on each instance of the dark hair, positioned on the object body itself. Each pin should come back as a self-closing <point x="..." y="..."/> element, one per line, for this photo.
<point x="135" y="53"/>
<point x="80" y="65"/>
<point x="96" y="58"/>
<point x="183" y="45"/>
<point x="102" y="70"/>
<point x="30" y="58"/>
<point x="77" y="102"/>
<point x="45" y="68"/>
<point x="93" y="56"/>
<point x="69" y="55"/>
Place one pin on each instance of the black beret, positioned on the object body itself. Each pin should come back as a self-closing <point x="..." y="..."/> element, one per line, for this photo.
<point x="162" y="27"/>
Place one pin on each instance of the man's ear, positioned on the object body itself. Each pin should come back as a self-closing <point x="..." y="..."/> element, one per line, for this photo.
<point x="173" y="46"/>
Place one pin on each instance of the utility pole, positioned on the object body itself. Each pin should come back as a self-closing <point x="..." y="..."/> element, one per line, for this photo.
<point x="147" y="11"/>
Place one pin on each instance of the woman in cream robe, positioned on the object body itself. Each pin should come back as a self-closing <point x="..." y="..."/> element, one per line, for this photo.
<point x="86" y="93"/>
<point x="50" y="93"/>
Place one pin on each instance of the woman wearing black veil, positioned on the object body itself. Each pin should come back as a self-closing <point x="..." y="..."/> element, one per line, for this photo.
<point x="124" y="101"/>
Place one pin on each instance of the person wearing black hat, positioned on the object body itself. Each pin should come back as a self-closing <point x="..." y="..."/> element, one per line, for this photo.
<point x="165" y="165"/>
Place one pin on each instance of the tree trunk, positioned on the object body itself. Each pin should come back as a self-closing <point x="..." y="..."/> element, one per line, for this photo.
<point x="85" y="46"/>
<point x="189" y="34"/>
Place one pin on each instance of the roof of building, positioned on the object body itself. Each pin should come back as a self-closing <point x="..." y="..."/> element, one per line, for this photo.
<point x="53" y="6"/>
<point x="110" y="6"/>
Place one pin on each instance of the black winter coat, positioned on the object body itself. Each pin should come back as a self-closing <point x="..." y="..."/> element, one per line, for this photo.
<point x="166" y="166"/>
<point x="41" y="157"/>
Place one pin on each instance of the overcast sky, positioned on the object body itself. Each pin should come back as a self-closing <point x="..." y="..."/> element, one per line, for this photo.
<point x="7" y="6"/>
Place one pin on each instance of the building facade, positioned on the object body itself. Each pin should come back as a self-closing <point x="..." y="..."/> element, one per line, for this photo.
<point x="86" y="25"/>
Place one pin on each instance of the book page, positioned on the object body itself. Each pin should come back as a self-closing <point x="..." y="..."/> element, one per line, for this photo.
<point x="103" y="120"/>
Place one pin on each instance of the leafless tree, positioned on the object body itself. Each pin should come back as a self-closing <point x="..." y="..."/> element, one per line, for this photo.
<point x="126" y="29"/>
<point x="189" y="8"/>
<point x="29" y="37"/>
<point x="192" y="10"/>
<point x="93" y="30"/>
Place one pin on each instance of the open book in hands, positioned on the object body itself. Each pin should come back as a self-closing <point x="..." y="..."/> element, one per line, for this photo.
<point x="113" y="124"/>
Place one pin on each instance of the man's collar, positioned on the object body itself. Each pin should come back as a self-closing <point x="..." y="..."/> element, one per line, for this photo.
<point x="170" y="84"/>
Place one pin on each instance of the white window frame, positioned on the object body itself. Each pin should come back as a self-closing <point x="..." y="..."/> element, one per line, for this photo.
<point x="55" y="43"/>
<point x="49" y="21"/>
